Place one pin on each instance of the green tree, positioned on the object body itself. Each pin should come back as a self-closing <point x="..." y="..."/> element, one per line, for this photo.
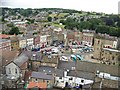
<point x="14" y="30"/>
<point x="49" y="19"/>
<point x="19" y="17"/>
<point x="2" y="19"/>
<point x="62" y="21"/>
<point x="3" y="32"/>
<point x="10" y="25"/>
<point x="102" y="29"/>
<point x="49" y="12"/>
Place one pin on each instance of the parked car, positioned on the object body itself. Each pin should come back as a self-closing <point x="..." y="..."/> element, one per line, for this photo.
<point x="64" y="58"/>
<point x="55" y="50"/>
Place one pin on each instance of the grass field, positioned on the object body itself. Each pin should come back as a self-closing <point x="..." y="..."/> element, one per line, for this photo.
<point x="58" y="25"/>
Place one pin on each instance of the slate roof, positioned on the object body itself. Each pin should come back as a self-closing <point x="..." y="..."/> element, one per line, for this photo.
<point x="82" y="74"/>
<point x="20" y="60"/>
<point x="29" y="54"/>
<point x="41" y="75"/>
<point x="4" y="40"/>
<point x="93" y="67"/>
<point x="51" y="70"/>
<point x="65" y="65"/>
<point x="46" y="69"/>
<point x="41" y="57"/>
<point x="106" y="37"/>
<point x="53" y="59"/>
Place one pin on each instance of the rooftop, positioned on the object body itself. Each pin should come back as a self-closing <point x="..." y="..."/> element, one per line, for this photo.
<point x="63" y="65"/>
<point x="82" y="74"/>
<point x="8" y="56"/>
<point x="50" y="70"/>
<point x="5" y="36"/>
<point x="105" y="36"/>
<point x="41" y="75"/>
<point x="37" y="84"/>
<point x="94" y="67"/>
<point x="21" y="59"/>
<point x="4" y="40"/>
<point x="88" y="31"/>
<point x="50" y="59"/>
<point x="111" y="50"/>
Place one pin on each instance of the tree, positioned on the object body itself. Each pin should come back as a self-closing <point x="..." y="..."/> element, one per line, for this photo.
<point x="62" y="21"/>
<point x="2" y="19"/>
<point x="10" y="25"/>
<point x="3" y="32"/>
<point x="19" y="17"/>
<point x="49" y="12"/>
<point x="49" y="19"/>
<point x="14" y="30"/>
<point x="102" y="29"/>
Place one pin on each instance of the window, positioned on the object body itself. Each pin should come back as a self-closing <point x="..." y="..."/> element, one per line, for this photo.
<point x="9" y="71"/>
<point x="70" y="78"/>
<point x="113" y="57"/>
<point x="110" y="53"/>
<point x="82" y="81"/>
<point x="15" y="71"/>
<point x="60" y="77"/>
<point x="98" y="41"/>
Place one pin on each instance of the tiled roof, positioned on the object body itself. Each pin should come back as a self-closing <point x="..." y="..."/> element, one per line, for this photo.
<point x="5" y="36"/>
<point x="37" y="85"/>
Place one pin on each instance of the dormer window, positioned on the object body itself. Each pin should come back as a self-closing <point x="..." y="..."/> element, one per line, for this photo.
<point x="82" y="81"/>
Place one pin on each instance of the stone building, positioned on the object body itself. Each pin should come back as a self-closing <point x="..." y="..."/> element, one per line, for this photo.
<point x="110" y="56"/>
<point x="88" y="36"/>
<point x="14" y="43"/>
<point x="105" y="49"/>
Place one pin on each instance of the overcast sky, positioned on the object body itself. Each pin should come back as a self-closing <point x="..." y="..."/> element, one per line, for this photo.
<point x="106" y="6"/>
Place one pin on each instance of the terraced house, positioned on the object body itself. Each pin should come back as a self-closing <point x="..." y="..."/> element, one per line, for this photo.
<point x="105" y="49"/>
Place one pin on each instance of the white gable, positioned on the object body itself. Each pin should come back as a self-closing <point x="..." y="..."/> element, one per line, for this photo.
<point x="12" y="70"/>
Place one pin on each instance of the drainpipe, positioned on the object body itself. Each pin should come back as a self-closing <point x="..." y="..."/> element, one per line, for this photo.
<point x="101" y="83"/>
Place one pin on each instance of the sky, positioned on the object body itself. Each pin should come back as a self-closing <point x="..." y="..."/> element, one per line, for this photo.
<point x="105" y="6"/>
